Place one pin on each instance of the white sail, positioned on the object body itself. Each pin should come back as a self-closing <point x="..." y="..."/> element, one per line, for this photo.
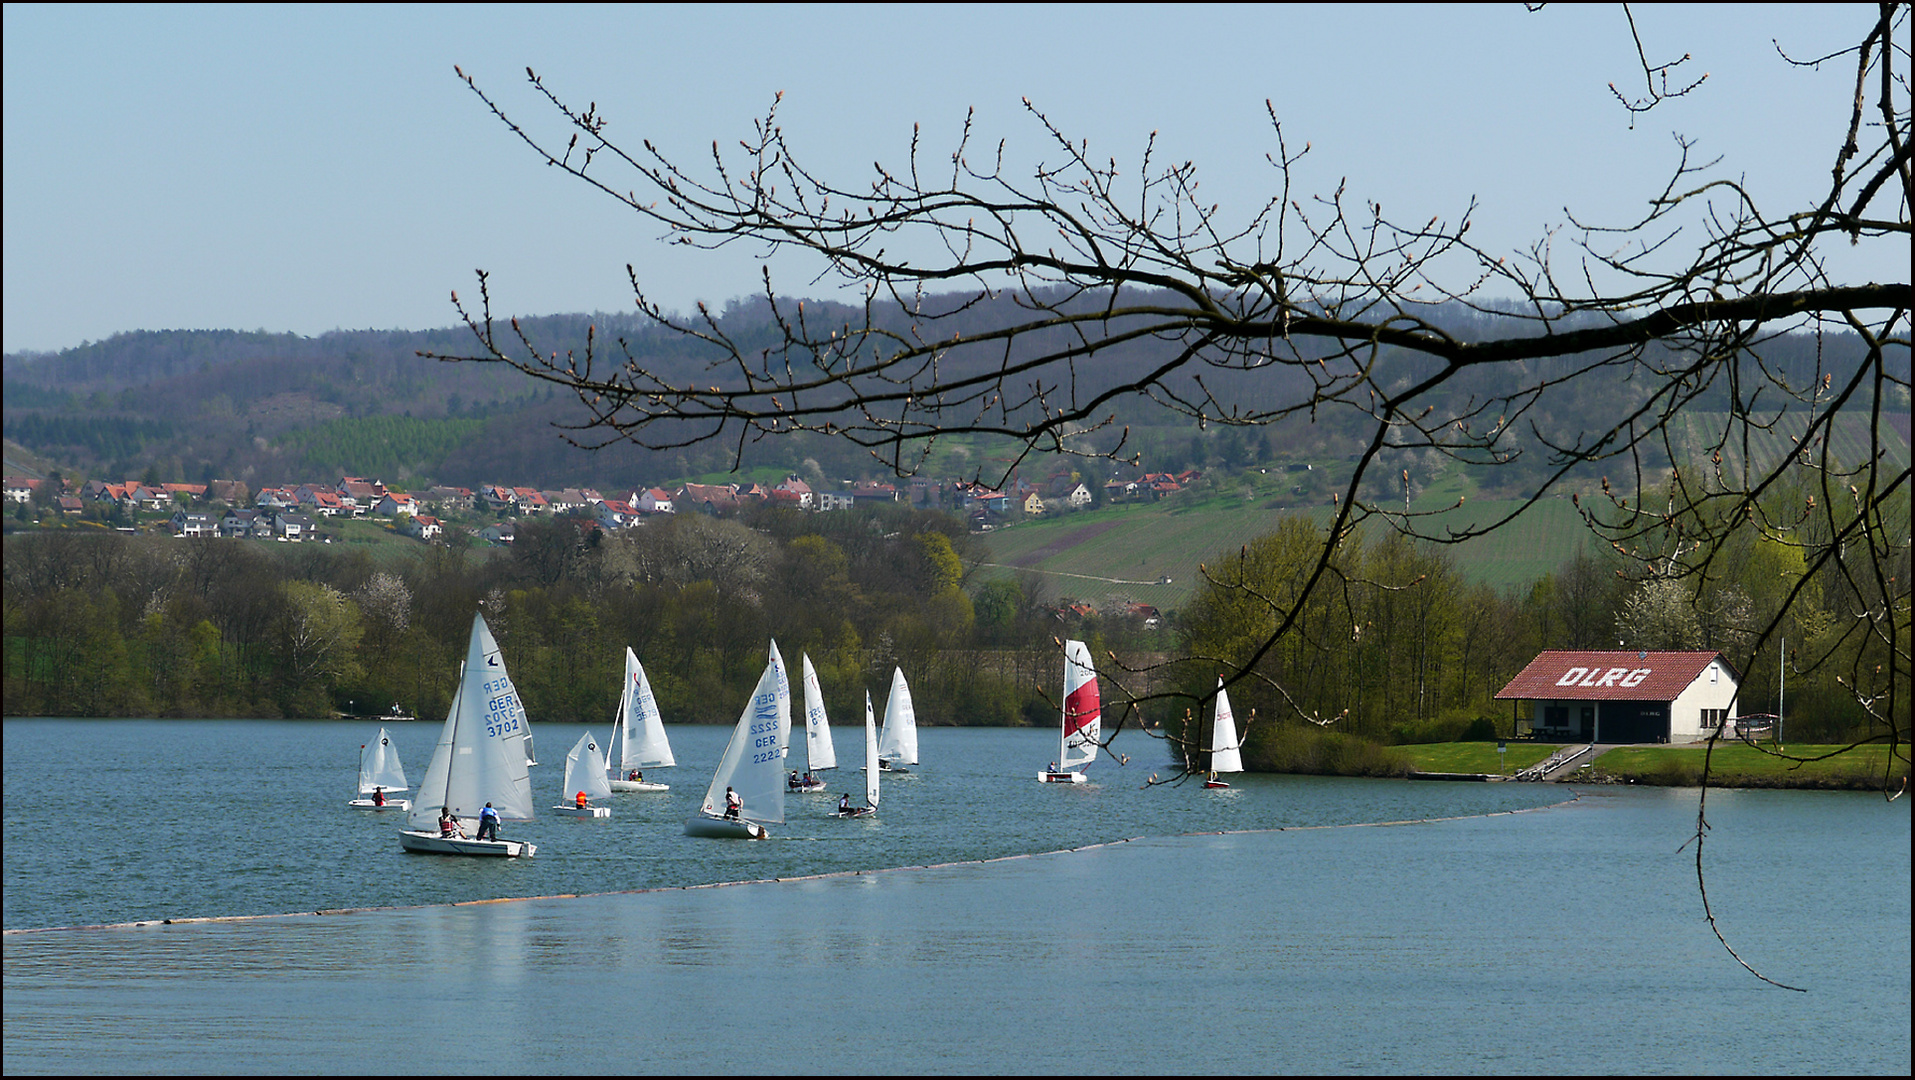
<point x="899" y="743"/>
<point x="753" y="764"/>
<point x="784" y="701"/>
<point x="379" y="766"/>
<point x="585" y="771"/>
<point x="641" y="735"/>
<point x="1082" y="712"/>
<point x="481" y="756"/>
<point x="819" y="753"/>
<point x="871" y="769"/>
<point x="1224" y="755"/>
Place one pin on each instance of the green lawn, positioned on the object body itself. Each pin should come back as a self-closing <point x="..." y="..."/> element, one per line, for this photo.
<point x="1477" y="757"/>
<point x="1741" y="765"/>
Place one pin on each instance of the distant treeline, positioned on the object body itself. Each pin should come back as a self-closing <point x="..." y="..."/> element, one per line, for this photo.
<point x="1400" y="648"/>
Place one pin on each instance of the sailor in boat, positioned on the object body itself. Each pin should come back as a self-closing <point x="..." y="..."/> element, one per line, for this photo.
<point x="793" y="781"/>
<point x="449" y="825"/>
<point x="733" y="804"/>
<point x="844" y="803"/>
<point x="634" y="775"/>
<point x="583" y="802"/>
<point x="378" y="796"/>
<point x="488" y="823"/>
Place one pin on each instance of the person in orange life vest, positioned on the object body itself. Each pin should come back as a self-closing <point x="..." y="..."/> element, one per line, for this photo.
<point x="583" y="803"/>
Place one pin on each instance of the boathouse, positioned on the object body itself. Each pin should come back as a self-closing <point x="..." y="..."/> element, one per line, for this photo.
<point x="1625" y="697"/>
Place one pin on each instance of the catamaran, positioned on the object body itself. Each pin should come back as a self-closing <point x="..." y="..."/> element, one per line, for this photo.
<point x="1077" y="744"/>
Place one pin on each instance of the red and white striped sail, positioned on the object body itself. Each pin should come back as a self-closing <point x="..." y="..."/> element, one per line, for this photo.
<point x="1082" y="710"/>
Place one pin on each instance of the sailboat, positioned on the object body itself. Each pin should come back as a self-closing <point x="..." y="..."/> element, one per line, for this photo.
<point x="819" y="754"/>
<point x="871" y="770"/>
<point x="898" y="746"/>
<point x="639" y="732"/>
<point x="1078" y="742"/>
<point x="1224" y="751"/>
<point x="480" y="760"/>
<point x="379" y="770"/>
<point x="584" y="773"/>
<point x="752" y="767"/>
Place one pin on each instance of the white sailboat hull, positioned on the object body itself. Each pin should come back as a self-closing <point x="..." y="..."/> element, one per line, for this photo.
<point x="856" y="811"/>
<point x="391" y="804"/>
<point x="582" y="811"/>
<point x="433" y="844"/>
<point x="1061" y="778"/>
<point x="639" y="785"/>
<point x="815" y="785"/>
<point x="724" y="829"/>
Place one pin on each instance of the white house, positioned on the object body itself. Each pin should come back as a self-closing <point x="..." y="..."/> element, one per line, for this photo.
<point x="1626" y="697"/>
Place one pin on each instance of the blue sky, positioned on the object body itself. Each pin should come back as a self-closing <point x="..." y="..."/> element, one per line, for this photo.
<point x="307" y="169"/>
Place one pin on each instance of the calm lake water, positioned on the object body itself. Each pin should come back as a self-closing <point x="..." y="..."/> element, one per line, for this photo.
<point x="1495" y="928"/>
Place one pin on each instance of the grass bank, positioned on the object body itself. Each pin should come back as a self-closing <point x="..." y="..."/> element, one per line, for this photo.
<point x="1744" y="766"/>
<point x="1733" y="764"/>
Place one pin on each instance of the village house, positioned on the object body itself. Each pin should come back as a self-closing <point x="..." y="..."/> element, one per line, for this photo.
<point x="230" y="492"/>
<point x="711" y="499"/>
<point x="872" y="491"/>
<point x="452" y="500"/>
<point x="615" y="514"/>
<point x="498" y="499"/>
<point x="325" y="504"/>
<point x="424" y="526"/>
<point x="394" y="503"/>
<point x="246" y="524"/>
<point x="292" y="526"/>
<point x="797" y="488"/>
<point x="273" y="498"/>
<point x="530" y="501"/>
<point x="20" y="489"/>
<point x="653" y="501"/>
<point x="499" y="533"/>
<point x="194" y="523"/>
<point x="835" y="500"/>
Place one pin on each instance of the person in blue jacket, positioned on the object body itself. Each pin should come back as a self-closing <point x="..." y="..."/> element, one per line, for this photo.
<point x="488" y="823"/>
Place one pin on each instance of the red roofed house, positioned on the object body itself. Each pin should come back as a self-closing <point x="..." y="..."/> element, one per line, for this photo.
<point x="1626" y="697"/>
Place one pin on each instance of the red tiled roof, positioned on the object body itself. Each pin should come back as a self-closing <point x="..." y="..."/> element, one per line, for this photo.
<point x="1610" y="676"/>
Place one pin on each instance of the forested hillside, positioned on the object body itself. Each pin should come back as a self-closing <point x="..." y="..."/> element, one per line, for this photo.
<point x="277" y="408"/>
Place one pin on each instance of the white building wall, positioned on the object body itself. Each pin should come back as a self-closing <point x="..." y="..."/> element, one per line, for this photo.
<point x="1715" y="688"/>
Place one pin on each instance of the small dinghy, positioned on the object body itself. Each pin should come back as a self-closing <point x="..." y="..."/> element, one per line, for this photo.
<point x="380" y="774"/>
<point x="584" y="781"/>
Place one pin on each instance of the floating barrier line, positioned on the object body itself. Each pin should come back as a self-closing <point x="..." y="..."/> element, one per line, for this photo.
<point x="200" y="920"/>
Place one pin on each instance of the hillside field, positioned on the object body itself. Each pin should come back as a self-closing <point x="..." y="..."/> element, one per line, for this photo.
<point x="1123" y="551"/>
